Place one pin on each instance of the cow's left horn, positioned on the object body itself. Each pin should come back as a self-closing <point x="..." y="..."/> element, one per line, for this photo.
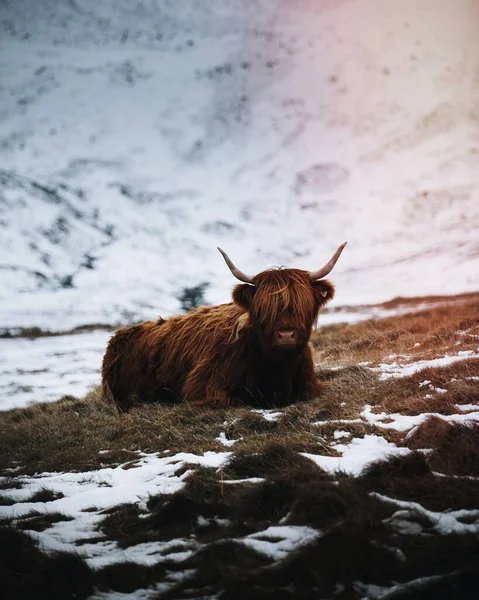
<point x="236" y="272"/>
<point x="328" y="267"/>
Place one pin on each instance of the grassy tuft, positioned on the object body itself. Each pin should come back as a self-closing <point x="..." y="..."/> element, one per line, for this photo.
<point x="36" y="521"/>
<point x="455" y="447"/>
<point x="26" y="572"/>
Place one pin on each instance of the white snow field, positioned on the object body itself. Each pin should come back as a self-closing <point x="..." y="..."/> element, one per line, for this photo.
<point x="47" y="368"/>
<point x="136" y="137"/>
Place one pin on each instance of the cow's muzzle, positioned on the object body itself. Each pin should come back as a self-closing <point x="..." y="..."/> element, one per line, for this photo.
<point x="283" y="338"/>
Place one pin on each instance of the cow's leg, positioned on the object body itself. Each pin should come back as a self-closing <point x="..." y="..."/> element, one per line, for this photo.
<point x="281" y="393"/>
<point x="306" y="384"/>
<point x="201" y="387"/>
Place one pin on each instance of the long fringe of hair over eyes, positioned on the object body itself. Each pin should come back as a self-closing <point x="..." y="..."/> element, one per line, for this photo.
<point x="284" y="291"/>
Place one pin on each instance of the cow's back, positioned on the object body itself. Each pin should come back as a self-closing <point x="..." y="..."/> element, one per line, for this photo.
<point x="151" y="361"/>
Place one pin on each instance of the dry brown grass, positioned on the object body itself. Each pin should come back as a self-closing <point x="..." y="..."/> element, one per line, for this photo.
<point x="455" y="446"/>
<point x="414" y="301"/>
<point x="72" y="432"/>
<point x="437" y="330"/>
<point x="80" y="435"/>
<point x="25" y="572"/>
<point x="409" y="303"/>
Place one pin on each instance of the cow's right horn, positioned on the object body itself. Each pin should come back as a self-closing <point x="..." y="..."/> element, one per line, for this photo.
<point x="328" y="267"/>
<point x="236" y="272"/>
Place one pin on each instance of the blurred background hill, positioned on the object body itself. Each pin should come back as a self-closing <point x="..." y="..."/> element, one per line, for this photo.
<point x="136" y="136"/>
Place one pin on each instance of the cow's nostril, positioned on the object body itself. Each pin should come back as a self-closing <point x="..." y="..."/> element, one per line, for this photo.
<point x="286" y="335"/>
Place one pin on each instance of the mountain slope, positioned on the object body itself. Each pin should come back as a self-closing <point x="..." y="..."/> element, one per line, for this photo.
<point x="135" y="137"/>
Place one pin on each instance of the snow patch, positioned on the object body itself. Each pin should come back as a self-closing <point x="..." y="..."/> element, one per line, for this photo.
<point x="357" y="455"/>
<point x="389" y="370"/>
<point x="278" y="541"/>
<point x="87" y="494"/>
<point x="400" y="422"/>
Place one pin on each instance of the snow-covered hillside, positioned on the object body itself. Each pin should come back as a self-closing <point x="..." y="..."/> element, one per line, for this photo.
<point x="136" y="136"/>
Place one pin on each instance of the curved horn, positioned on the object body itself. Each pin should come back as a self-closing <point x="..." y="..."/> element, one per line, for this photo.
<point x="328" y="267"/>
<point x="236" y="272"/>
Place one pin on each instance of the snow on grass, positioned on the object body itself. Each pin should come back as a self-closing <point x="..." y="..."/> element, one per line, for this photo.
<point x="338" y="434"/>
<point x="401" y="422"/>
<point x="225" y="441"/>
<point x="342" y="421"/>
<point x="100" y="554"/>
<point x="87" y="494"/>
<point x="432" y="388"/>
<point x="245" y="480"/>
<point x="278" y="541"/>
<point x="395" y="369"/>
<point x="268" y="413"/>
<point x="152" y="593"/>
<point x="109" y="486"/>
<point x="444" y="523"/>
<point x="358" y="454"/>
<point x="467" y="407"/>
<point x="420" y="584"/>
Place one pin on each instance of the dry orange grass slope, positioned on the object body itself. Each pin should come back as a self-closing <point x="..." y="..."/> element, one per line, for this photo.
<point x="406" y="527"/>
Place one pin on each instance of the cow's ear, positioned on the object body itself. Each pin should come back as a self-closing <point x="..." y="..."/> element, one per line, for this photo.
<point x="323" y="291"/>
<point x="243" y="295"/>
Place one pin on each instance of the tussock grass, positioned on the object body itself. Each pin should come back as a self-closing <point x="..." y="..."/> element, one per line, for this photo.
<point x="10" y="483"/>
<point x="36" y="521"/>
<point x="272" y="462"/>
<point x="80" y="435"/>
<point x="127" y="577"/>
<point x="7" y="500"/>
<point x="45" y="495"/>
<point x="26" y="572"/>
<point x="455" y="447"/>
<point x="410" y="478"/>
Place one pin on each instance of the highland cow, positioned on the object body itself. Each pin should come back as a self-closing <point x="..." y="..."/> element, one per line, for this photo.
<point x="253" y="350"/>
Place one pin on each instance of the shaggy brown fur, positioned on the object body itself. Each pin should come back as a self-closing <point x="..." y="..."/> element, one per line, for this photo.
<point x="217" y="354"/>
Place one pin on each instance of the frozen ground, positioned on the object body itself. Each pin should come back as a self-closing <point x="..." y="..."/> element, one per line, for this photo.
<point x="135" y="137"/>
<point x="158" y="491"/>
<point x="104" y="489"/>
<point x="47" y="368"/>
<point x="84" y="497"/>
